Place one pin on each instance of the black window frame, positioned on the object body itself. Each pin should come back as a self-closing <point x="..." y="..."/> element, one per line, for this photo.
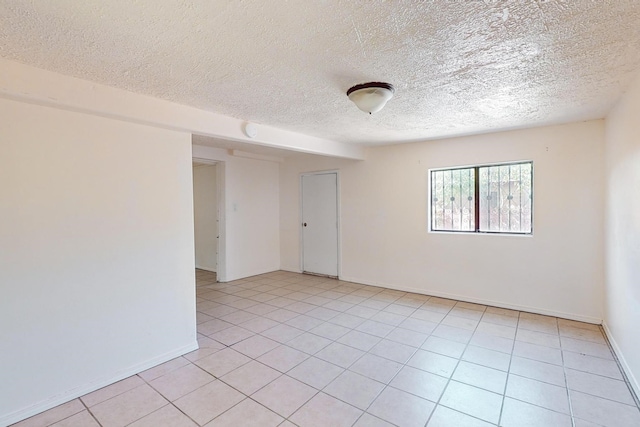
<point x="476" y="199"/>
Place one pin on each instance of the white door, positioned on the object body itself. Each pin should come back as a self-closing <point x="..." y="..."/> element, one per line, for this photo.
<point x="320" y="223"/>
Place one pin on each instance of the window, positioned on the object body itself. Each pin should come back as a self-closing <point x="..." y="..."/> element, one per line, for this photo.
<point x="483" y="199"/>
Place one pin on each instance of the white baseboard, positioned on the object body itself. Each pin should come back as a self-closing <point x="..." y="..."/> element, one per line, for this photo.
<point x="537" y="310"/>
<point x="211" y="269"/>
<point x="76" y="392"/>
<point x="635" y="385"/>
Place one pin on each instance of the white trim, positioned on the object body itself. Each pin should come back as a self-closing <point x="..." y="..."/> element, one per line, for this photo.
<point x="631" y="378"/>
<point x="199" y="267"/>
<point x="76" y="392"/>
<point x="537" y="310"/>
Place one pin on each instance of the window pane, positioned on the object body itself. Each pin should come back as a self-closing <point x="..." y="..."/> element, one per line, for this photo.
<point x="505" y="198"/>
<point x="452" y="202"/>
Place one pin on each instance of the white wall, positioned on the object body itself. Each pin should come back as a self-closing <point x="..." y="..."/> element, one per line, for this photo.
<point x="96" y="253"/>
<point x="205" y="210"/>
<point x="384" y="234"/>
<point x="622" y="285"/>
<point x="251" y="237"/>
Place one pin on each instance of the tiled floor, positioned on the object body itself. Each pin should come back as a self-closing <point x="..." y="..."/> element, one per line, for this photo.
<point x="287" y="349"/>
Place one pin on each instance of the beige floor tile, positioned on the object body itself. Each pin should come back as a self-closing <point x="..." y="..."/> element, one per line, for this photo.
<point x="433" y="362"/>
<point x="401" y="408"/>
<point x="402" y="310"/>
<point x="309" y="343"/>
<point x="323" y="410"/>
<point x="539" y="338"/>
<point x="128" y="407"/>
<point x="472" y="401"/>
<point x="481" y="377"/>
<point x="123" y="386"/>
<point x="445" y="417"/>
<point x="207" y="347"/>
<point x="284" y="395"/>
<point x="283" y="358"/>
<point x="492" y="342"/>
<point x="261" y="309"/>
<point x="182" y="381"/>
<point x="282" y="333"/>
<point x="452" y="333"/>
<point x="315" y="372"/>
<point x="389" y="318"/>
<point x="443" y="346"/>
<point x="541" y="371"/>
<point x="521" y="414"/>
<point x="368" y="420"/>
<point x="393" y="351"/>
<point x="582" y="334"/>
<point x="347" y="320"/>
<point x="376" y="367"/>
<point x="576" y="324"/>
<point x="255" y="346"/>
<point x="538" y="393"/>
<point x="586" y="347"/>
<point x="537" y="352"/>
<point x="238" y="317"/>
<point x="359" y="340"/>
<point x="421" y="383"/>
<point x="354" y="389"/>
<point x="247" y="414"/>
<point x="405" y="336"/>
<point x="591" y="364"/>
<point x="602" y="411"/>
<point x="418" y="325"/>
<point x="497" y="330"/>
<point x="428" y="315"/>
<point x="377" y="329"/>
<point x="53" y="415"/>
<point x="213" y="326"/>
<point x="322" y="313"/>
<point x="304" y="322"/>
<point x="251" y="377"/>
<point x="339" y="354"/>
<point x="209" y="401"/>
<point x="81" y="419"/>
<point x="167" y="416"/>
<point x="600" y="386"/>
<point x="547" y="326"/>
<point x="460" y="322"/>
<point x="259" y="324"/>
<point x="232" y="335"/>
<point x="330" y="331"/>
<point x="281" y="315"/>
<point x="222" y="362"/>
<point x="485" y="357"/>
<point x="500" y="319"/>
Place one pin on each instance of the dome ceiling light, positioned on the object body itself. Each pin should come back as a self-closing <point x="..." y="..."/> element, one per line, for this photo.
<point x="371" y="97"/>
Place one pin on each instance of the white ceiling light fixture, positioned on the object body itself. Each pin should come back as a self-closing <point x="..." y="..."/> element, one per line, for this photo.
<point x="371" y="97"/>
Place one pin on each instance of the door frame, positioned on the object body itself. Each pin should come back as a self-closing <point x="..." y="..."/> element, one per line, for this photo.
<point x="338" y="218"/>
<point x="221" y="241"/>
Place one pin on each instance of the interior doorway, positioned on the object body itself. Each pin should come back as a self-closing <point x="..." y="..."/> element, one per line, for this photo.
<point x="206" y="210"/>
<point x="320" y="223"/>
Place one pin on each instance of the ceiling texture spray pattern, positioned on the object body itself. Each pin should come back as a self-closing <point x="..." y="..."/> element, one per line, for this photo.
<point x="459" y="67"/>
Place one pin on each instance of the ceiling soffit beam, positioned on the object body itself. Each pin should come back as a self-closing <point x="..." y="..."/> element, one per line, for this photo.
<point x="37" y="86"/>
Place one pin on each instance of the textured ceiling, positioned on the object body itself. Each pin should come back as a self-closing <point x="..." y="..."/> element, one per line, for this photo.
<point x="459" y="67"/>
